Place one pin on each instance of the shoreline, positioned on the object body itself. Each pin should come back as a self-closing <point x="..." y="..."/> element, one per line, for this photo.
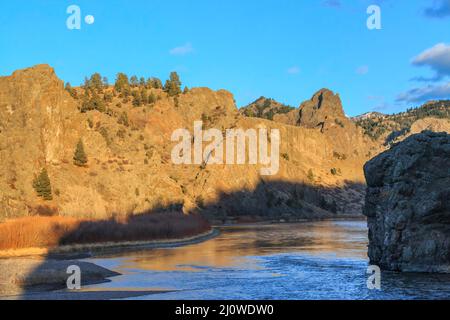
<point x="95" y="249"/>
<point x="62" y="252"/>
<point x="31" y="274"/>
<point x="38" y="270"/>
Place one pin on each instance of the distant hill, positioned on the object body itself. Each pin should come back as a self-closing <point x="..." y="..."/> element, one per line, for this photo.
<point x="265" y="108"/>
<point x="434" y="115"/>
<point x="369" y="115"/>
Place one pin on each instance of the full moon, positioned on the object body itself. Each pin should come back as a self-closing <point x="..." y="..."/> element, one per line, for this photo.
<point x="89" y="19"/>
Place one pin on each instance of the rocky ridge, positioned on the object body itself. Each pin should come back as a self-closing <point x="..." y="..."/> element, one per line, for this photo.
<point x="129" y="170"/>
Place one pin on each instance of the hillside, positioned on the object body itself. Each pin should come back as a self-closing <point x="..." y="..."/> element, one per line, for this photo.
<point x="126" y="130"/>
<point x="324" y="111"/>
<point x="387" y="129"/>
<point x="265" y="108"/>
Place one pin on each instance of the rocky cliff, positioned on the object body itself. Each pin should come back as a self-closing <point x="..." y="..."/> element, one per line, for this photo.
<point x="408" y="205"/>
<point x="129" y="168"/>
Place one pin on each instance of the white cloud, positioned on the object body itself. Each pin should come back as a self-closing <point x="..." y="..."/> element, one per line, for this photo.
<point x="293" y="70"/>
<point x="423" y="94"/>
<point x="437" y="58"/>
<point x="182" y="50"/>
<point x="362" y="70"/>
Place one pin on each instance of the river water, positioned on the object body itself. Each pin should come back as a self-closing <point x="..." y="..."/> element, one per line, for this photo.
<point x="311" y="260"/>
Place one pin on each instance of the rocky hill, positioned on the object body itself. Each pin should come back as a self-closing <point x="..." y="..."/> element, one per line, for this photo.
<point x="368" y="115"/>
<point x="408" y="205"/>
<point x="388" y="129"/>
<point x="324" y="111"/>
<point x="265" y="108"/>
<point x="125" y="132"/>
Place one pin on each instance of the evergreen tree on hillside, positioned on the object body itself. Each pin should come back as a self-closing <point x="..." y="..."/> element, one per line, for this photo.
<point x="156" y="83"/>
<point x="137" y="101"/>
<point x="144" y="96"/>
<point x="142" y="81"/>
<point x="134" y="81"/>
<point x="173" y="85"/>
<point x="151" y="98"/>
<point x="42" y="185"/>
<point x="97" y="103"/>
<point x="96" y="82"/>
<point x="122" y="82"/>
<point x="79" y="157"/>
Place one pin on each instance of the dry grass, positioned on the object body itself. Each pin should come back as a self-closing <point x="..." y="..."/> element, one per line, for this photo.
<point x="51" y="232"/>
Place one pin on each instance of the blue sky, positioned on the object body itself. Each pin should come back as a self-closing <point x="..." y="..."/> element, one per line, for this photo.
<point x="285" y="49"/>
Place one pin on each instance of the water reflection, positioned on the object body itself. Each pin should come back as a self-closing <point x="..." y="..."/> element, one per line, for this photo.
<point x="315" y="260"/>
<point x="235" y="244"/>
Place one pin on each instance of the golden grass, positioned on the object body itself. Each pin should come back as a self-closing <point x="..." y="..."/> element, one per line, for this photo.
<point x="52" y="232"/>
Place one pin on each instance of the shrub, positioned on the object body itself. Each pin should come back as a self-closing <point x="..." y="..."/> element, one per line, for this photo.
<point x="121" y="133"/>
<point x="50" y="232"/>
<point x="104" y="132"/>
<point x="123" y="119"/>
<point x="71" y="90"/>
<point x="310" y="175"/>
<point x="200" y="202"/>
<point x="339" y="123"/>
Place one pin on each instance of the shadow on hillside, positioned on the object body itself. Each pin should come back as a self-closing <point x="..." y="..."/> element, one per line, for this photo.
<point x="274" y="201"/>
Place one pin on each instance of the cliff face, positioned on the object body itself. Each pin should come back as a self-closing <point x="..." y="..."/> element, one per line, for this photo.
<point x="408" y="205"/>
<point x="129" y="167"/>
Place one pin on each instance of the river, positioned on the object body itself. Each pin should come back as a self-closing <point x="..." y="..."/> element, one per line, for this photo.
<point x="311" y="260"/>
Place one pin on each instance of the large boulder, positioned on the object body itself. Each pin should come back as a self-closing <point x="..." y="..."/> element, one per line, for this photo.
<point x="408" y="205"/>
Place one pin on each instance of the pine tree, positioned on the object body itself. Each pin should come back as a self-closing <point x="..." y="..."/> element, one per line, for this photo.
<point x="151" y="98"/>
<point x="95" y="82"/>
<point x="134" y="81"/>
<point x="42" y="185"/>
<point x="137" y="101"/>
<point x="97" y="103"/>
<point x="156" y="83"/>
<point x="122" y="82"/>
<point x="173" y="85"/>
<point x="144" y="96"/>
<point x="79" y="157"/>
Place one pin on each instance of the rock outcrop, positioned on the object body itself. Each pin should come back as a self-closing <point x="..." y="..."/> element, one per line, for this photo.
<point x="408" y="205"/>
